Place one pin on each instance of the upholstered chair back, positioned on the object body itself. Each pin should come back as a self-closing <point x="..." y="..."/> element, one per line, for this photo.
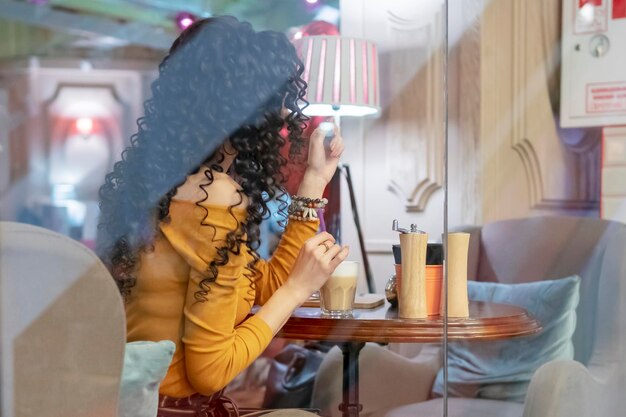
<point x="546" y="248"/>
<point x="62" y="326"/>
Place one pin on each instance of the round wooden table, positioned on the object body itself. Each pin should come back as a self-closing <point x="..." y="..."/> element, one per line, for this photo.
<point x="487" y="321"/>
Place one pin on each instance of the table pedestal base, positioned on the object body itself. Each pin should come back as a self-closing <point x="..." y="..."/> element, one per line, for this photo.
<point x="350" y="406"/>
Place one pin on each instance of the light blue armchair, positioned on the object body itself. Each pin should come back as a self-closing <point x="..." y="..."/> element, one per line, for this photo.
<point x="63" y="329"/>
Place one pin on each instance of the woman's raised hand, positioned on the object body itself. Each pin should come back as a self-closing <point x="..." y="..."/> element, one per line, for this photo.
<point x="324" y="157"/>
<point x="317" y="260"/>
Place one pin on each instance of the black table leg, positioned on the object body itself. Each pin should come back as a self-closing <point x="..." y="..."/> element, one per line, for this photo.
<point x="350" y="406"/>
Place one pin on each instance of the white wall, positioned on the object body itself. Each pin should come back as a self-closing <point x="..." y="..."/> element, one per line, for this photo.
<point x="396" y="159"/>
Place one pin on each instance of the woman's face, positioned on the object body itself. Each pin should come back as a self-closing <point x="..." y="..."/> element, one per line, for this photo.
<point x="228" y="149"/>
<point x="284" y="112"/>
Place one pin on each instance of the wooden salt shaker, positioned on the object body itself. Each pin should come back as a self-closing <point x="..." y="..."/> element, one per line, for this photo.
<point x="456" y="262"/>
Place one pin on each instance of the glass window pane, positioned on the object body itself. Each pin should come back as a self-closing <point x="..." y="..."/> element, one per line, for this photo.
<point x="534" y="108"/>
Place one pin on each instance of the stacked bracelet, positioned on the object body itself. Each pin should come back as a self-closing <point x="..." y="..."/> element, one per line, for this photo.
<point x="305" y="209"/>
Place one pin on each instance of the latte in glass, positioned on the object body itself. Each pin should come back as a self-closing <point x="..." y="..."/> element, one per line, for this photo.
<point x="337" y="295"/>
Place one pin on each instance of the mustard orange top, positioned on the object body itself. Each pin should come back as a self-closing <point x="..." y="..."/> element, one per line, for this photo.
<point x="214" y="340"/>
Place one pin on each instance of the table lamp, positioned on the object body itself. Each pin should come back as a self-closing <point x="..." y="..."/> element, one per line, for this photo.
<point x="341" y="74"/>
<point x="342" y="80"/>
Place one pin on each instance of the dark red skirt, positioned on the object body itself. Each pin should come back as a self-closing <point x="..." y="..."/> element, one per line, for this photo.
<point x="197" y="405"/>
<point x="216" y="405"/>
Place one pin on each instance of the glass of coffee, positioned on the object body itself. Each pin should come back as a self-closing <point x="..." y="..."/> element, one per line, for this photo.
<point x="337" y="295"/>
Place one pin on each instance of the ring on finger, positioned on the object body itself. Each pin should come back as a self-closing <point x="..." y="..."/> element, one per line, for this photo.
<point x="325" y="244"/>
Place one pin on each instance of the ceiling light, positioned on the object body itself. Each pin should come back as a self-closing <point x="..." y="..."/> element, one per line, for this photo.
<point x="184" y="20"/>
<point x="84" y="126"/>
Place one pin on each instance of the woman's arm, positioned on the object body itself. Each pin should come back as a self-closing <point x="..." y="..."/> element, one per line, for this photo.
<point x="216" y="349"/>
<point x="312" y="268"/>
<point x="272" y="274"/>
<point x="321" y="166"/>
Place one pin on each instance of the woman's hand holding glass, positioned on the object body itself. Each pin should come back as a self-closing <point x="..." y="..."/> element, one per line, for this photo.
<point x="317" y="260"/>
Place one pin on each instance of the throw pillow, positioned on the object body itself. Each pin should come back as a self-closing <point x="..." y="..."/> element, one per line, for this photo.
<point x="501" y="370"/>
<point x="145" y="366"/>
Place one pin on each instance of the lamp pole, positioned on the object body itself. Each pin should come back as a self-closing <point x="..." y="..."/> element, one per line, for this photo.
<point x="357" y="223"/>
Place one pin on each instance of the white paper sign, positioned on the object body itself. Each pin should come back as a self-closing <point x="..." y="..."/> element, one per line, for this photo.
<point x="593" y="73"/>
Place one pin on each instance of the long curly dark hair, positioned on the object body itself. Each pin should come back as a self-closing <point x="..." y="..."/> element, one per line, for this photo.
<point x="221" y="81"/>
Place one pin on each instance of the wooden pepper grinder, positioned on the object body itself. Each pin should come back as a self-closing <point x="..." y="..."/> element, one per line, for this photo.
<point x="412" y="286"/>
<point x="456" y="261"/>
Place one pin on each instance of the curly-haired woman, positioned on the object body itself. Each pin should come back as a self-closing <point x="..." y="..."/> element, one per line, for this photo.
<point x="180" y="212"/>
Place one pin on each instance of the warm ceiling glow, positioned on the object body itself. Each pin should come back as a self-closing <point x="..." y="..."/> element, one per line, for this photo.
<point x="184" y="20"/>
<point x="84" y="125"/>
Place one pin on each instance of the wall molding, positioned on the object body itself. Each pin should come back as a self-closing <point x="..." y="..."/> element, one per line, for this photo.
<point x="521" y="62"/>
<point x="417" y="144"/>
<point x="528" y="155"/>
<point x="581" y="198"/>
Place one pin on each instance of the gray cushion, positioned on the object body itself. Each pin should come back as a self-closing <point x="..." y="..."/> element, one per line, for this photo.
<point x="551" y="247"/>
<point x="501" y="370"/>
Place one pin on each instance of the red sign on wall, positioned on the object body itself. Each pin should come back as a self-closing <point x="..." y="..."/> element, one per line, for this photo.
<point x="606" y="97"/>
<point x="581" y="3"/>
<point x="619" y="9"/>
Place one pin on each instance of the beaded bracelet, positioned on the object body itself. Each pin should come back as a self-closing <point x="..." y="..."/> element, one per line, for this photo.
<point x="305" y="209"/>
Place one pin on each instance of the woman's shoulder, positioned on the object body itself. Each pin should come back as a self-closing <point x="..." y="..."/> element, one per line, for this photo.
<point x="214" y="189"/>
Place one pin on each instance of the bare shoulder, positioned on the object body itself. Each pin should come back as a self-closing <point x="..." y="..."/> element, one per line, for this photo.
<point x="218" y="189"/>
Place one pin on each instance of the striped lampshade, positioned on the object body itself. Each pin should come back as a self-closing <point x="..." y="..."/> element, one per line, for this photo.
<point x="342" y="75"/>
